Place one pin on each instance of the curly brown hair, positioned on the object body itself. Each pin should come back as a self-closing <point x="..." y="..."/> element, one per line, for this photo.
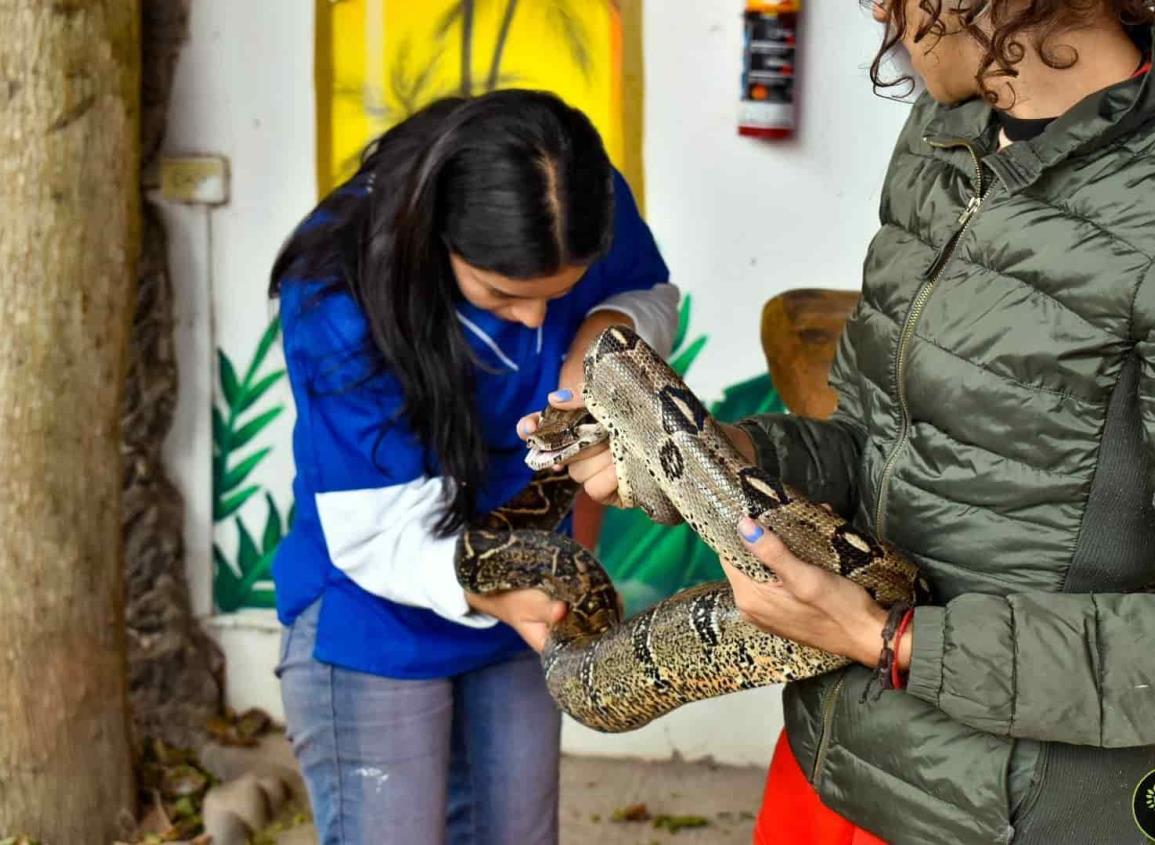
<point x="1000" y="28"/>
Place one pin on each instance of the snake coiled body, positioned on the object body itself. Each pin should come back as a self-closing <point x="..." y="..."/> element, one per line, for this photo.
<point x="675" y="462"/>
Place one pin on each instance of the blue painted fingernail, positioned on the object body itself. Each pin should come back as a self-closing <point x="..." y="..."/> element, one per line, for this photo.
<point x="750" y="530"/>
<point x="561" y="395"/>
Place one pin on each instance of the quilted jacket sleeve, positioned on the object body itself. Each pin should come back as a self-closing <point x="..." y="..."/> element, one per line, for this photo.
<point x="1063" y="667"/>
<point x="819" y="457"/>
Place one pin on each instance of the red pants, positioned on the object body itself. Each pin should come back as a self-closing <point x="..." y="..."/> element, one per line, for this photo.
<point x="792" y="814"/>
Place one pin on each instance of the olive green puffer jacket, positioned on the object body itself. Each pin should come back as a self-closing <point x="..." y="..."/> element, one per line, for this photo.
<point x="996" y="422"/>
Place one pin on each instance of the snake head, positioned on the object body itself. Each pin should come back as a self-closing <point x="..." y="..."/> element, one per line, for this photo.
<point x="558" y="428"/>
<point x="560" y="435"/>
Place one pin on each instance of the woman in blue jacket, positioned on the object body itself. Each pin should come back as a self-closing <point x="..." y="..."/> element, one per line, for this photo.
<point x="428" y="304"/>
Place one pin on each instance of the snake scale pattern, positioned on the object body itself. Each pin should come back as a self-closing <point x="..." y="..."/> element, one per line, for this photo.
<point x="674" y="462"/>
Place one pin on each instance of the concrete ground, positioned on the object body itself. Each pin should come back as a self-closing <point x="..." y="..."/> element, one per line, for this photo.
<point x="593" y="788"/>
<point x="594" y="792"/>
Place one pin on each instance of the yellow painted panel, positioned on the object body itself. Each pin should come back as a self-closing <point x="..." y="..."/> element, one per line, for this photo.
<point x="379" y="60"/>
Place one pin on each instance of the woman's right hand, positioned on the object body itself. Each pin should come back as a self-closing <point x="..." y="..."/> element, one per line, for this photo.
<point x="529" y="612"/>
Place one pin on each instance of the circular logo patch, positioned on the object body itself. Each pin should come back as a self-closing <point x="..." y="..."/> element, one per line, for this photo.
<point x="1143" y="805"/>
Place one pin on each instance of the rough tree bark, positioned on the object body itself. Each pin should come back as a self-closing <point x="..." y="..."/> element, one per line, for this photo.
<point x="69" y="231"/>
<point x="174" y="668"/>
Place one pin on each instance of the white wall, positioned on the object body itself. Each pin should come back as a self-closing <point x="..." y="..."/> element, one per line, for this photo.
<point x="739" y="220"/>
<point x="244" y="90"/>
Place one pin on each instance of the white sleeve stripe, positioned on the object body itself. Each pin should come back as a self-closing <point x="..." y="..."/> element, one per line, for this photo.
<point x="654" y="313"/>
<point x="384" y="540"/>
<point x="480" y="334"/>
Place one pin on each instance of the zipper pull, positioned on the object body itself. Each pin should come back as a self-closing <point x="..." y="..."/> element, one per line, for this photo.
<point x="970" y="211"/>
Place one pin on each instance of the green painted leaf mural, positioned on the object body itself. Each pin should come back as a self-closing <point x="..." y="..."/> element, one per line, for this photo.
<point x="251" y="429"/>
<point x="273" y="527"/>
<point x="231" y="504"/>
<point x="244" y="581"/>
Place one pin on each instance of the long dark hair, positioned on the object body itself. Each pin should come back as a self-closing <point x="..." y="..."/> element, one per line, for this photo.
<point x="515" y="182"/>
<point x="1006" y="29"/>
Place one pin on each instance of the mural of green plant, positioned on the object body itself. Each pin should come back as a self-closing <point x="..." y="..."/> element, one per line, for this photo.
<point x="650" y="562"/>
<point x="562" y="15"/>
<point x="410" y="82"/>
<point x="233" y="591"/>
<point x="237" y="422"/>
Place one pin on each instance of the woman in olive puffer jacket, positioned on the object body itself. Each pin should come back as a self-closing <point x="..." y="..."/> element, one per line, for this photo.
<point x="996" y="423"/>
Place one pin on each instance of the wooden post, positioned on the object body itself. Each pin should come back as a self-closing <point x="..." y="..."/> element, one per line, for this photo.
<point x="69" y="230"/>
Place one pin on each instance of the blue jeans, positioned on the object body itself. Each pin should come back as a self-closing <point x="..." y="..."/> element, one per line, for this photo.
<point x="467" y="760"/>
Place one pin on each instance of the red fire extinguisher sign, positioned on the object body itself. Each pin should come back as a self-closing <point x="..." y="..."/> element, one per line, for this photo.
<point x="768" y="108"/>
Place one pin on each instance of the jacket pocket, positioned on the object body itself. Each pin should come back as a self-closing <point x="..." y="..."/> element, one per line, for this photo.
<point x="830" y="701"/>
<point x="298" y="639"/>
<point x="900" y="767"/>
<point x="283" y="654"/>
<point x="1025" y="773"/>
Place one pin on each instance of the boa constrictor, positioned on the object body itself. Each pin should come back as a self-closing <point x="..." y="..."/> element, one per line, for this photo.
<point x="675" y="463"/>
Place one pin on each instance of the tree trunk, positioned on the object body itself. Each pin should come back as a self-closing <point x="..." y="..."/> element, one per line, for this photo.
<point x="69" y="230"/>
<point x="174" y="670"/>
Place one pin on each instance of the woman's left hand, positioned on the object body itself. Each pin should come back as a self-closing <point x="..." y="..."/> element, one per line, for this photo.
<point x="807" y="604"/>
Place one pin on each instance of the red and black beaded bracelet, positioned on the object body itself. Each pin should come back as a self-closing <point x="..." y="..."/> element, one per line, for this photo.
<point x="887" y="672"/>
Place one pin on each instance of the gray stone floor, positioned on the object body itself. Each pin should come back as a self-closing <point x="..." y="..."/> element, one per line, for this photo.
<point x="593" y="789"/>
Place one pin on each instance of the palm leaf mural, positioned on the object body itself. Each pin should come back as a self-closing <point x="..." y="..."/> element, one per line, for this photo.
<point x="246" y="583"/>
<point x="563" y="16"/>
<point x="499" y="45"/>
<point x="566" y="21"/>
<point x="232" y="431"/>
<point x="237" y="422"/>
<point x="411" y="89"/>
<point x="409" y="82"/>
<point x="649" y="562"/>
<point x="467" y="10"/>
<point x="461" y="14"/>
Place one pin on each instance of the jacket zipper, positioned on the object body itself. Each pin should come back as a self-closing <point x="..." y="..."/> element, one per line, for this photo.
<point x="924" y="293"/>
<point x="827" y="717"/>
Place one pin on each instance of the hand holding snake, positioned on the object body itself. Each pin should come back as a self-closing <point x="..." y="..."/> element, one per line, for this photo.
<point x="675" y="462"/>
<point x="593" y="467"/>
<point x="807" y="604"/>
